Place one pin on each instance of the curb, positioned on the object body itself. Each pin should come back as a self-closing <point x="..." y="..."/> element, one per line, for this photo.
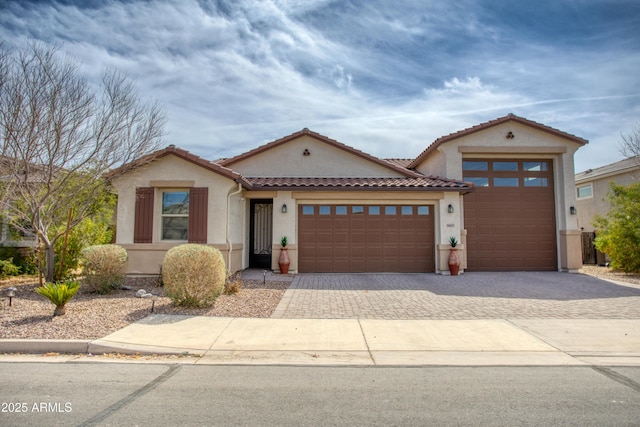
<point x="44" y="346"/>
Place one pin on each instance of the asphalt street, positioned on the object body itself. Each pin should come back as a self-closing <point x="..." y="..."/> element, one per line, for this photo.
<point x="163" y="394"/>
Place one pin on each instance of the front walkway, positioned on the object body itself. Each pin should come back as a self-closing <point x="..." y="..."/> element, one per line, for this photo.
<point x="470" y="296"/>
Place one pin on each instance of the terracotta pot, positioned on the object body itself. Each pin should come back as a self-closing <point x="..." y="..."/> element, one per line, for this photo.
<point x="283" y="261"/>
<point x="454" y="262"/>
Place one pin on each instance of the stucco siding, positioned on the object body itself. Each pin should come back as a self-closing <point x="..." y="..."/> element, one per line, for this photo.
<point x="323" y="161"/>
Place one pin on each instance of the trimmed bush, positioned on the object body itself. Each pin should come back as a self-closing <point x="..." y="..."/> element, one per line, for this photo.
<point x="104" y="268"/>
<point x="193" y="275"/>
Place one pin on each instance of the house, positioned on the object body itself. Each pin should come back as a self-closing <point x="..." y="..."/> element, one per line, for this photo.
<point x="503" y="188"/>
<point x="592" y="189"/>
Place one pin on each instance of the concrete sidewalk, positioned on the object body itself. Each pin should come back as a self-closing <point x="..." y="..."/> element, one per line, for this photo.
<point x="377" y="342"/>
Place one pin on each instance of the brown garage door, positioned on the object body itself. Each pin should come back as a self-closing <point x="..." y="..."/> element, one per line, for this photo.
<point x="510" y="218"/>
<point x="360" y="238"/>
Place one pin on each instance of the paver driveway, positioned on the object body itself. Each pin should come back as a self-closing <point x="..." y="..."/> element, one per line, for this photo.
<point x="470" y="296"/>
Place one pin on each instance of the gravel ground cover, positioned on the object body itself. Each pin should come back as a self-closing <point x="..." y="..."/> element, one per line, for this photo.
<point x="92" y="316"/>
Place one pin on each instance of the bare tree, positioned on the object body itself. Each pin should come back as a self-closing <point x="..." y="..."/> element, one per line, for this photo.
<point x="59" y="135"/>
<point x="630" y="145"/>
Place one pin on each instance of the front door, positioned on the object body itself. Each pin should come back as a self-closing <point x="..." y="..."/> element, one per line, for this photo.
<point x="261" y="233"/>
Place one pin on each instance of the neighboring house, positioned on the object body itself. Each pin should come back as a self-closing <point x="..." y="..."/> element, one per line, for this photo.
<point x="504" y="188"/>
<point x="592" y="189"/>
<point x="593" y="185"/>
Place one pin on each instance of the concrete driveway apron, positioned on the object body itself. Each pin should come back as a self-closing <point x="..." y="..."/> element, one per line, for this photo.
<point x="479" y="295"/>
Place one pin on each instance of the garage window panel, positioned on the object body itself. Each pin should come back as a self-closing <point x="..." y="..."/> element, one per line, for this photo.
<point x="506" y="182"/>
<point x="374" y="210"/>
<point x="478" y="181"/>
<point x="475" y="165"/>
<point x="390" y="210"/>
<point x="423" y="210"/>
<point x="534" y="166"/>
<point x="406" y="210"/>
<point x="308" y="210"/>
<point x="324" y="210"/>
<point x="505" y="166"/>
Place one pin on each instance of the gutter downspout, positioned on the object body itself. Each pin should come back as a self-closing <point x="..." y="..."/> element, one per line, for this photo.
<point x="229" y="244"/>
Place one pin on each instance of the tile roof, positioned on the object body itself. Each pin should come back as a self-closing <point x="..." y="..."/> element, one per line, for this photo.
<point x="185" y="155"/>
<point x="616" y="168"/>
<point x="423" y="183"/>
<point x="509" y="117"/>
<point x="403" y="163"/>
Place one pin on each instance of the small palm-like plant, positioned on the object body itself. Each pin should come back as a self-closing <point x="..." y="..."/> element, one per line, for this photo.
<point x="284" y="241"/>
<point x="453" y="241"/>
<point x="59" y="294"/>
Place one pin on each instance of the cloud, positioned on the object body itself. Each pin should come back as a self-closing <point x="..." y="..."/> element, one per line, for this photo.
<point x="385" y="77"/>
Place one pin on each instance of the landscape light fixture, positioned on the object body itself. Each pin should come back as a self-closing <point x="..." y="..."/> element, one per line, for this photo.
<point x="450" y="208"/>
<point x="284" y="208"/>
<point x="11" y="292"/>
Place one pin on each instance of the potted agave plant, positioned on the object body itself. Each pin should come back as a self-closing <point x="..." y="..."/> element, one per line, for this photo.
<point x="284" y="261"/>
<point x="454" y="260"/>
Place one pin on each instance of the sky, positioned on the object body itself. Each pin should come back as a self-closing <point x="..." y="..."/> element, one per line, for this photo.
<point x="384" y="76"/>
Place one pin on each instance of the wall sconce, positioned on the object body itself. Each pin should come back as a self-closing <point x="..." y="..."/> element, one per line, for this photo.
<point x="450" y="208"/>
<point x="284" y="208"/>
<point x="573" y="210"/>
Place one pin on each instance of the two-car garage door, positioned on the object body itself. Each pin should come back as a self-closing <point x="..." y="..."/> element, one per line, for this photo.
<point x="365" y="238"/>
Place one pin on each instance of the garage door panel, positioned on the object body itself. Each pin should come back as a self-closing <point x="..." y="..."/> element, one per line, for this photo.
<point x="367" y="239"/>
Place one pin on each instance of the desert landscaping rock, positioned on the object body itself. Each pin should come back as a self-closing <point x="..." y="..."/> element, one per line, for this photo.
<point x="91" y="316"/>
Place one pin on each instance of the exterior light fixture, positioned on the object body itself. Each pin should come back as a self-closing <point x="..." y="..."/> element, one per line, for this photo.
<point x="573" y="210"/>
<point x="284" y="208"/>
<point x="11" y="292"/>
<point x="450" y="208"/>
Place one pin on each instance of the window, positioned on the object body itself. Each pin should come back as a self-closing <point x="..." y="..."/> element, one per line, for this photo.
<point x="389" y="210"/>
<point x="536" y="182"/>
<point x="374" y="210"/>
<point x="357" y="210"/>
<point x="175" y="215"/>
<point x="406" y="210"/>
<point x="324" y="210"/>
<point x="585" y="191"/>
<point x="477" y="181"/>
<point x="475" y="166"/>
<point x="341" y="210"/>
<point x="423" y="210"/>
<point x="308" y="210"/>
<point x="505" y="182"/>
<point x="534" y="166"/>
<point x="505" y="166"/>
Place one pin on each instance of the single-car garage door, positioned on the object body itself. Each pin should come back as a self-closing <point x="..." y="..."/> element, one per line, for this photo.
<point x="510" y="217"/>
<point x="365" y="238"/>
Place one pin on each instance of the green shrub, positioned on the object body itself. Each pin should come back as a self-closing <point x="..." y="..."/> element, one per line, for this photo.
<point x="88" y="232"/>
<point x="104" y="268"/>
<point x="23" y="258"/>
<point x="59" y="294"/>
<point x="193" y="275"/>
<point x="619" y="232"/>
<point x="8" y="268"/>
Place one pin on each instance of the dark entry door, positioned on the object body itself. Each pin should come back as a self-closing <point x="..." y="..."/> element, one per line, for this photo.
<point x="261" y="233"/>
